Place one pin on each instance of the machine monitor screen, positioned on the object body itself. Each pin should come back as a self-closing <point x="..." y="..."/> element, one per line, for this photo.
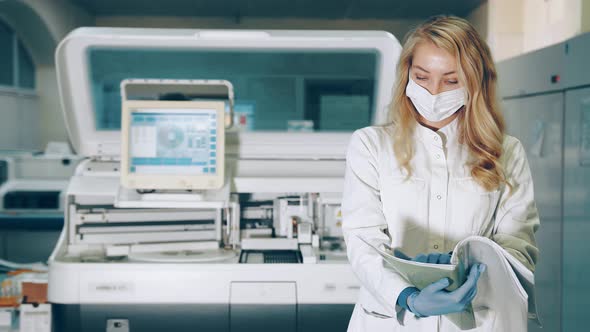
<point x="173" y="141"/>
<point x="173" y="144"/>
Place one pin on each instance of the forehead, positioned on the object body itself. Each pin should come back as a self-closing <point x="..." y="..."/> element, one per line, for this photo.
<point x="433" y="58"/>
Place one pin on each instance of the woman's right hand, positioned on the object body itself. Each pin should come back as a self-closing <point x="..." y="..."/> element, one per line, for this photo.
<point x="434" y="300"/>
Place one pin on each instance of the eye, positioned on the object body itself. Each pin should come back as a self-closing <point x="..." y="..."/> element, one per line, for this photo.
<point x="452" y="82"/>
<point x="420" y="78"/>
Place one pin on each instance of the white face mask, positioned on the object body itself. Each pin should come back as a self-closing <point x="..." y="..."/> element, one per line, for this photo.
<point x="435" y="107"/>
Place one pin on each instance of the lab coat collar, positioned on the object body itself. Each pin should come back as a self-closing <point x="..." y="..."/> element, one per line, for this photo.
<point x="440" y="138"/>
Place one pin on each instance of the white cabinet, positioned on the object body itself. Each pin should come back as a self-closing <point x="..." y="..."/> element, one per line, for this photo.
<point x="576" y="212"/>
<point x="537" y="121"/>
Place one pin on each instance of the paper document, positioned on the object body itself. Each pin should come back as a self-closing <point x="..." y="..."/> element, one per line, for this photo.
<point x="420" y="274"/>
<point x="505" y="278"/>
<point x="423" y="274"/>
<point x="502" y="268"/>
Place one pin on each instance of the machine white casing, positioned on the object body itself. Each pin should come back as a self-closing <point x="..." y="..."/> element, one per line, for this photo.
<point x="75" y="91"/>
<point x="269" y="162"/>
<point x="36" y="173"/>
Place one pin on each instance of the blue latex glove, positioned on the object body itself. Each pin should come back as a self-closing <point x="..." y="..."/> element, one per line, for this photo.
<point x="434" y="300"/>
<point x="433" y="258"/>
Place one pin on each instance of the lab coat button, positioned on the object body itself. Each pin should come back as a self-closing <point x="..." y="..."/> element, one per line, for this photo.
<point x="437" y="156"/>
<point x="439" y="197"/>
<point x="436" y="246"/>
<point x="436" y="138"/>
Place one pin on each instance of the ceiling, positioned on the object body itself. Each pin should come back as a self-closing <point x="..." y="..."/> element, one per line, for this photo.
<point x="318" y="9"/>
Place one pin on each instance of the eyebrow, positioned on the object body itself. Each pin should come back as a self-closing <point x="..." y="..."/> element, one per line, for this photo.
<point x="426" y="71"/>
<point x="422" y="69"/>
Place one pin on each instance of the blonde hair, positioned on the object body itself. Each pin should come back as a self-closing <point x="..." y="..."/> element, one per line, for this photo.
<point x="480" y="123"/>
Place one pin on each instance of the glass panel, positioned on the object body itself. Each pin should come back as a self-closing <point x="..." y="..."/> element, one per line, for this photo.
<point x="274" y="91"/>
<point x="6" y="55"/>
<point x="26" y="68"/>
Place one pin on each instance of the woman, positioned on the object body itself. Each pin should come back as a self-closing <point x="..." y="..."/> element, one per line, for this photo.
<point x="443" y="170"/>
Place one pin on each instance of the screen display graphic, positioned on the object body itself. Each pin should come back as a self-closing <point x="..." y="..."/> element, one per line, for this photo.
<point x="173" y="142"/>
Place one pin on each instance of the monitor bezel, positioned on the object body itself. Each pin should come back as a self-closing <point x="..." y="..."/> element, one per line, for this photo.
<point x="169" y="181"/>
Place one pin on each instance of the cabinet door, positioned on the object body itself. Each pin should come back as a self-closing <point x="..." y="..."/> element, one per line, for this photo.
<point x="576" y="230"/>
<point x="537" y="122"/>
<point x="263" y="306"/>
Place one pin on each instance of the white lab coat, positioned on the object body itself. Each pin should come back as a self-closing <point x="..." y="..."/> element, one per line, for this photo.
<point x="437" y="207"/>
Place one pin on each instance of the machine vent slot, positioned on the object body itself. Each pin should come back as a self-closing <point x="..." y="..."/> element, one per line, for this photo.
<point x="281" y="257"/>
<point x="270" y="257"/>
<point x="31" y="200"/>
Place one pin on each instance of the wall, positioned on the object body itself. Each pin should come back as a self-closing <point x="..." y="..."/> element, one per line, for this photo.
<point x="506" y="28"/>
<point x="60" y="17"/>
<point x="479" y="19"/>
<point x="585" y="16"/>
<point x="51" y="117"/>
<point x="514" y="27"/>
<point x="19" y="123"/>
<point x="550" y="22"/>
<point x="40" y="25"/>
<point x="19" y="128"/>
<point x="499" y="22"/>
